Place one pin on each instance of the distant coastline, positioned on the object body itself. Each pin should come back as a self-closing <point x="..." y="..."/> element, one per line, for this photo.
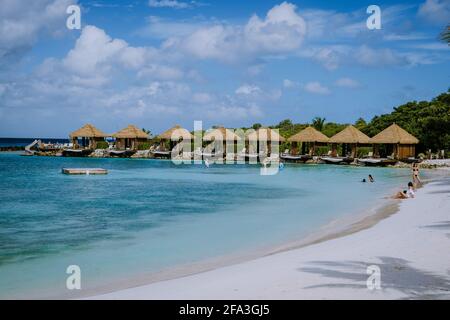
<point x="15" y="144"/>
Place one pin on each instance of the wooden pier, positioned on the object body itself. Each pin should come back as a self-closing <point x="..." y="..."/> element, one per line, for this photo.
<point x="86" y="171"/>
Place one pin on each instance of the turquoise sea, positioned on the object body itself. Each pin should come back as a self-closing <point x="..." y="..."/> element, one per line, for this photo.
<point x="149" y="215"/>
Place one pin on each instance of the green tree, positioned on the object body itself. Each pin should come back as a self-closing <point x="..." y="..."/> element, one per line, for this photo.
<point x="147" y="132"/>
<point x="361" y="124"/>
<point x="318" y="123"/>
<point x="256" y="126"/>
<point x="428" y="121"/>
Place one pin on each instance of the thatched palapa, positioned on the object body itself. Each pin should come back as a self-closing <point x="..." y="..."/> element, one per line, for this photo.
<point x="89" y="136"/>
<point x="349" y="136"/>
<point x="263" y="140"/>
<point x="221" y="133"/>
<point x="310" y="136"/>
<point x="130" y="138"/>
<point x="402" y="141"/>
<point x="265" y="134"/>
<point x="175" y="134"/>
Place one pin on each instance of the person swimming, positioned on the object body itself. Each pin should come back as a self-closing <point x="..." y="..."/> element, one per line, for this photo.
<point x="363" y="180"/>
<point x="371" y="179"/>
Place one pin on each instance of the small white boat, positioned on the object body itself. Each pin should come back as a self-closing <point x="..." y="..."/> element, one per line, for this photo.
<point x="336" y="160"/>
<point x="121" y="153"/>
<point x="295" y="158"/>
<point x="376" y="161"/>
<point x="161" y="154"/>
<point x="76" y="152"/>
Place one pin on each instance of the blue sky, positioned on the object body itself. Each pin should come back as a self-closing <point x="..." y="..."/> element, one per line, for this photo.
<point x="157" y="63"/>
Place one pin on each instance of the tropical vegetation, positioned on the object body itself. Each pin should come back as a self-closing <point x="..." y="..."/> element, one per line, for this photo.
<point x="429" y="121"/>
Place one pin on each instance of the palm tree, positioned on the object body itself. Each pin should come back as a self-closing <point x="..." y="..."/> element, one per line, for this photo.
<point x="318" y="123"/>
<point x="445" y="35"/>
<point x="147" y="132"/>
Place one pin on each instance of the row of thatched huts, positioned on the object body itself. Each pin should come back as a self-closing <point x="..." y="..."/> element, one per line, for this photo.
<point x="401" y="142"/>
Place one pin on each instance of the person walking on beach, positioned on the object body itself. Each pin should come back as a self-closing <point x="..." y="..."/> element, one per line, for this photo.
<point x="415" y="173"/>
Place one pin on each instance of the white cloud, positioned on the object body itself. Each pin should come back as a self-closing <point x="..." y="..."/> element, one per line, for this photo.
<point x="282" y="31"/>
<point x="435" y="11"/>
<point x="234" y="112"/>
<point x="316" y="88"/>
<point x="23" y="21"/>
<point x="160" y="72"/>
<point x="330" y="57"/>
<point x="347" y="83"/>
<point x="202" y="98"/>
<point x="248" y="89"/>
<point x="378" y="57"/>
<point x="168" y="4"/>
<point x="405" y="37"/>
<point x="289" y="83"/>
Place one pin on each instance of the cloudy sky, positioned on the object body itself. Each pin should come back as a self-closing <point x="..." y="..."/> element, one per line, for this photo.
<point x="156" y="63"/>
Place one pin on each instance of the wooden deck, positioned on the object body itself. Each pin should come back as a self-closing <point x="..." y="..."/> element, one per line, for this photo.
<point x="86" y="171"/>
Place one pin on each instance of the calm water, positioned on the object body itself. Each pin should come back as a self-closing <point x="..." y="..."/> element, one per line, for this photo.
<point x="147" y="215"/>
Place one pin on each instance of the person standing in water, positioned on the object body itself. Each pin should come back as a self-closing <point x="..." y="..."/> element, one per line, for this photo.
<point x="371" y="179"/>
<point x="415" y="173"/>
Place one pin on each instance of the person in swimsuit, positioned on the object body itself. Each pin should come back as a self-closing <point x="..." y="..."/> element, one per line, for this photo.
<point x="415" y="173"/>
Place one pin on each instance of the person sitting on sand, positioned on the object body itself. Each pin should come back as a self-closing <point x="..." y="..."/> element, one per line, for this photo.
<point x="410" y="192"/>
<point x="401" y="195"/>
<point x="371" y="179"/>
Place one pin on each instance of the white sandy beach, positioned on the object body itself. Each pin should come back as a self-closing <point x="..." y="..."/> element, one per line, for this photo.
<point x="411" y="248"/>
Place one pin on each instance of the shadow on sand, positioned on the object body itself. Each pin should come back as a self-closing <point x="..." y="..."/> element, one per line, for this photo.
<point x="396" y="274"/>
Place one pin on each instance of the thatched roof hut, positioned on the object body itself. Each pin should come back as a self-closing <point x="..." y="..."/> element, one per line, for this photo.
<point x="130" y="137"/>
<point x="404" y="143"/>
<point x="350" y="135"/>
<point x="175" y="133"/>
<point x="88" y="131"/>
<point x="263" y="141"/>
<point x="131" y="132"/>
<point x="221" y="133"/>
<point x="308" y="137"/>
<point x="265" y="134"/>
<point x="394" y="135"/>
<point x="309" y="134"/>
<point x="89" y="136"/>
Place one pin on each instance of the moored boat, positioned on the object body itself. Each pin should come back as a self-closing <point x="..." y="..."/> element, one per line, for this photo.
<point x="295" y="158"/>
<point x="381" y="162"/>
<point x="337" y="160"/>
<point x="76" y="152"/>
<point x="121" y="153"/>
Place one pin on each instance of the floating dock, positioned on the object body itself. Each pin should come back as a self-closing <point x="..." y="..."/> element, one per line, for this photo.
<point x="86" y="171"/>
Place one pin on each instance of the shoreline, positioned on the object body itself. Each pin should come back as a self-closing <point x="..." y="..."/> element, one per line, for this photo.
<point x="336" y="228"/>
<point x="148" y="288"/>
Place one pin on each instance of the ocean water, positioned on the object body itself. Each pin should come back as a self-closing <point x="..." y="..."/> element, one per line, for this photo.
<point x="149" y="215"/>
